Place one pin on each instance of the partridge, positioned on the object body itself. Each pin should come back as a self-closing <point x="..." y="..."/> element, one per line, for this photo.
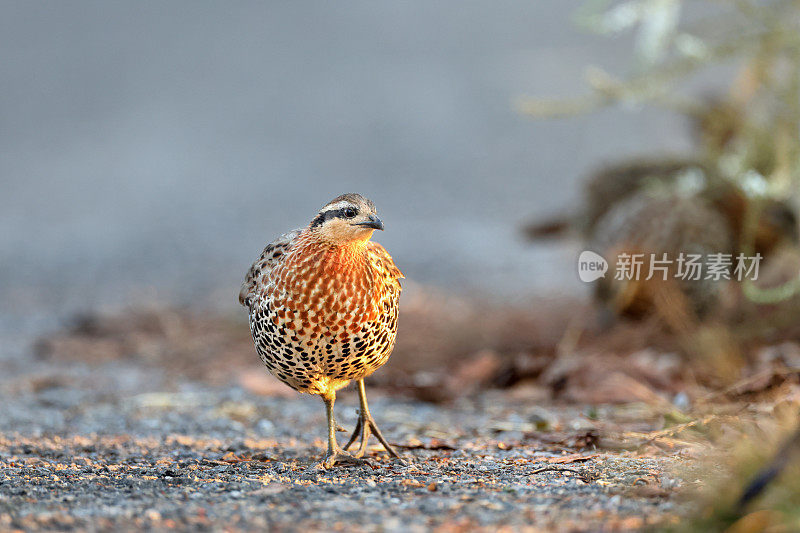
<point x="323" y="304"/>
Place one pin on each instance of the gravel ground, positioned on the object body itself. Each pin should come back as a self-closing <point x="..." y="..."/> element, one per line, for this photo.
<point x="118" y="445"/>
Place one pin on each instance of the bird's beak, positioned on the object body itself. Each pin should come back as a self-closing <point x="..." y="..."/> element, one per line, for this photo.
<point x="373" y="222"/>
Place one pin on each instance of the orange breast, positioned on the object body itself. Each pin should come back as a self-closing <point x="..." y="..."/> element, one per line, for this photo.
<point x="327" y="291"/>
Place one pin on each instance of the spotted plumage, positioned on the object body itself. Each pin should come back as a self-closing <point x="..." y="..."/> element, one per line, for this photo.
<point x="323" y="300"/>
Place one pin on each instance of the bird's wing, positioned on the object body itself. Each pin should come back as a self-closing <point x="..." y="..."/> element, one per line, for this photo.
<point x="383" y="261"/>
<point x="271" y="256"/>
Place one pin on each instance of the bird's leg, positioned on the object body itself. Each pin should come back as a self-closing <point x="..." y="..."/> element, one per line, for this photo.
<point x="335" y="455"/>
<point x="361" y="430"/>
<point x="366" y="425"/>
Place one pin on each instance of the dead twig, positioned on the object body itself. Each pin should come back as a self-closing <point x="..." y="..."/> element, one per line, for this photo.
<point x="669" y="432"/>
<point x="583" y="475"/>
<point x="751" y="384"/>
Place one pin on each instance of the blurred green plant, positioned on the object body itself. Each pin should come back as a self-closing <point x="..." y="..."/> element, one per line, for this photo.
<point x="751" y="134"/>
<point x="761" y="113"/>
<point x="763" y="450"/>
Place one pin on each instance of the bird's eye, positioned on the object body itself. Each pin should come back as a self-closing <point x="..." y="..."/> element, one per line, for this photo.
<point x="349" y="212"/>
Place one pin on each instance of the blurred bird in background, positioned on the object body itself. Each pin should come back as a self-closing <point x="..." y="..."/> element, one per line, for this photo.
<point x="670" y="206"/>
<point x="676" y="209"/>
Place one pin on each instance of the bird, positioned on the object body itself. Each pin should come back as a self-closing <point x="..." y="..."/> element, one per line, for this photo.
<point x="323" y="306"/>
<point x="663" y="223"/>
<point x="665" y="219"/>
<point x="669" y="205"/>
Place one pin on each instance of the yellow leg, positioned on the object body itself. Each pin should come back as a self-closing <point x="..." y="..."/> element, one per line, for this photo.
<point x="335" y="455"/>
<point x="366" y="425"/>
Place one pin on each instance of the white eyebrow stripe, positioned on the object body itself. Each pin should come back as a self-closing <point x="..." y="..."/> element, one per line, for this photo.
<point x="337" y="205"/>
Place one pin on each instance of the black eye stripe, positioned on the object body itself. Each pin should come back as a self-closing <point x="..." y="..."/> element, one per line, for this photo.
<point x="331" y="213"/>
<point x="339" y="213"/>
<point x="334" y="213"/>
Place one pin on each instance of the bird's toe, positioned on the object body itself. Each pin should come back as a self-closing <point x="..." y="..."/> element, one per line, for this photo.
<point x="344" y="458"/>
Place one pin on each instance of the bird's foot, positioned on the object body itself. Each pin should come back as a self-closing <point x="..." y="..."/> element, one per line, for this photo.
<point x="341" y="457"/>
<point x="364" y="427"/>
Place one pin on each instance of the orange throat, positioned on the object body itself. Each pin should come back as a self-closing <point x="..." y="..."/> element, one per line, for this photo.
<point x="324" y="258"/>
<point x="330" y="279"/>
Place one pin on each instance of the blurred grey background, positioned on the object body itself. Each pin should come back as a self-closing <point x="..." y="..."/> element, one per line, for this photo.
<point x="153" y="148"/>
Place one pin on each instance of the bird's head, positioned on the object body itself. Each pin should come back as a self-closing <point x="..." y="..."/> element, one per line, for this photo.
<point x="347" y="218"/>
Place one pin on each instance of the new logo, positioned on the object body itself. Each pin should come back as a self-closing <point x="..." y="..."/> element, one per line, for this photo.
<point x="591" y="266"/>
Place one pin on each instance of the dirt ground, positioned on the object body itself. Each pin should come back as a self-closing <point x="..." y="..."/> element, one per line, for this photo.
<point x="111" y="450"/>
<point x="164" y="419"/>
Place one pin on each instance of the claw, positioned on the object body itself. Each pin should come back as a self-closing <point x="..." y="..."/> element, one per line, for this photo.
<point x="343" y="458"/>
<point x="364" y="428"/>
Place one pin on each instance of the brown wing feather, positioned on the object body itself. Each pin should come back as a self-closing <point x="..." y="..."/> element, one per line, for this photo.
<point x="271" y="256"/>
<point x="383" y="260"/>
